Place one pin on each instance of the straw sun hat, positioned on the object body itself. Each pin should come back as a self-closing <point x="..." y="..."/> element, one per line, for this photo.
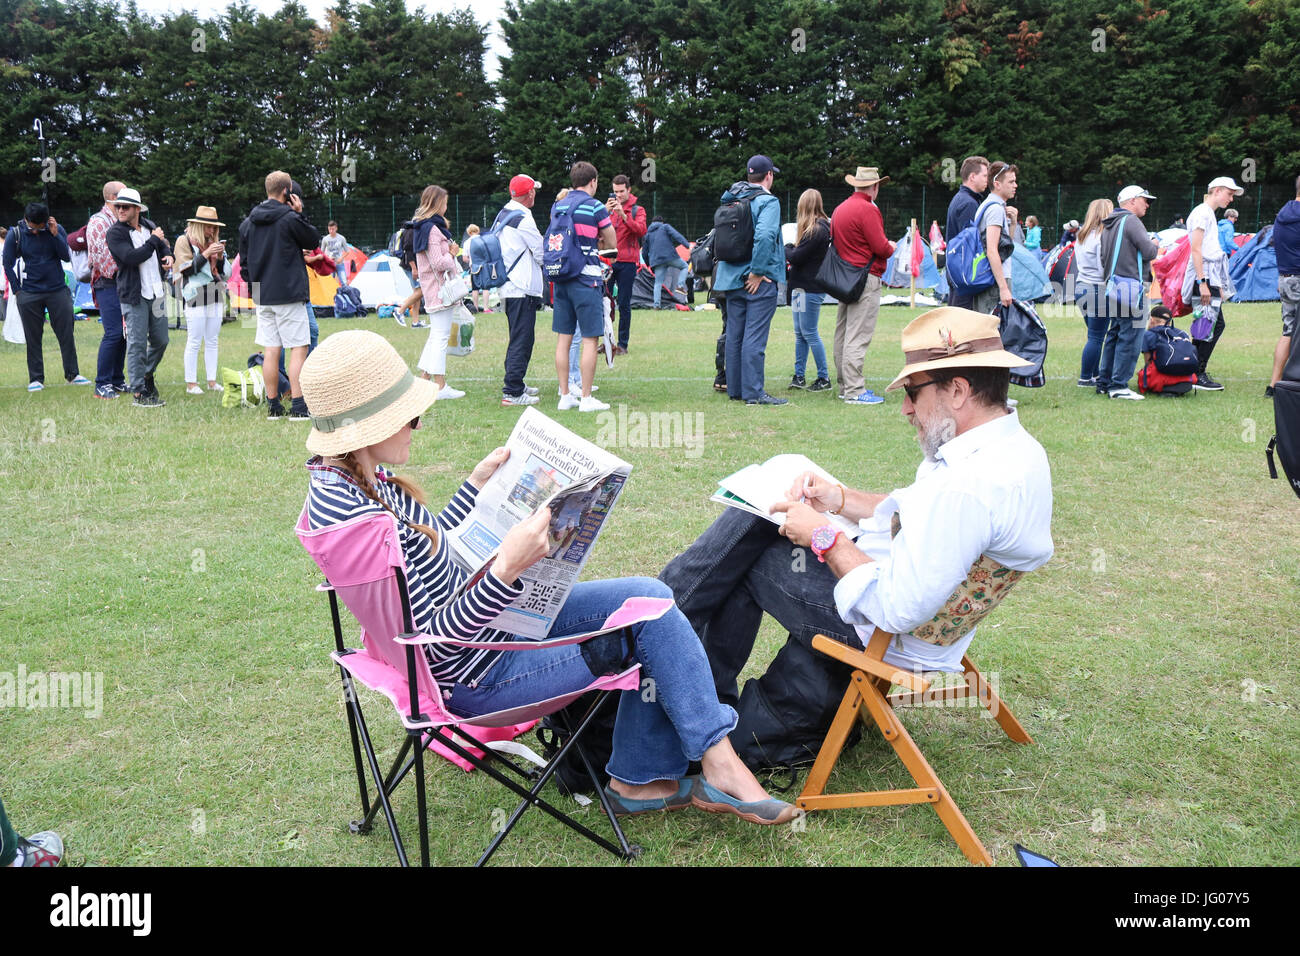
<point x="360" y="392"/>
<point x="953" y="338"/>
<point x="206" y="215"/>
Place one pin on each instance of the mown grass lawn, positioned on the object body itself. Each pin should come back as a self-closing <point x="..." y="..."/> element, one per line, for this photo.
<point x="1153" y="660"/>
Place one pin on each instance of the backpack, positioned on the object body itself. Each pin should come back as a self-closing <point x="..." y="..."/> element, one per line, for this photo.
<point x="733" y="230"/>
<point x="966" y="262"/>
<point x="562" y="255"/>
<point x="1151" y="380"/>
<point x="1286" y="419"/>
<point x="1175" y="353"/>
<point x="702" y="256"/>
<point x="407" y="242"/>
<point x="80" y="256"/>
<point x="347" y="303"/>
<point x="487" y="268"/>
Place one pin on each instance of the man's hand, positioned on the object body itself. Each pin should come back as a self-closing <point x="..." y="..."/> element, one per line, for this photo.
<point x="52" y="225"/>
<point x="157" y="231"/>
<point x="167" y="262"/>
<point x="816" y="492"/>
<point x="800" y="521"/>
<point x="752" y="283"/>
<point x="1004" y="294"/>
<point x="295" y="202"/>
<point x="486" y="468"/>
<point x="1205" y="293"/>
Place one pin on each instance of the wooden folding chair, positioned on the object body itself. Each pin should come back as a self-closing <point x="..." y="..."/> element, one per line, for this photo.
<point x="868" y="698"/>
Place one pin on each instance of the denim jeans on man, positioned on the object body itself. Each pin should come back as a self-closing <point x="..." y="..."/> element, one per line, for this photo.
<point x="110" y="365"/>
<point x="666" y="275"/>
<point x="32" y="307"/>
<point x="624" y="278"/>
<point x="1096" y="322"/>
<point x="1123" y="342"/>
<point x="146" y="339"/>
<point x="807" y="308"/>
<point x="749" y="319"/>
<point x="521" y="319"/>
<point x="735" y="571"/>
<point x="671" y="720"/>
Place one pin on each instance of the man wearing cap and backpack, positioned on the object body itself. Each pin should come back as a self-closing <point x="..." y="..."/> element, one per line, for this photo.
<point x="521" y="249"/>
<point x="858" y="232"/>
<point x="750" y="261"/>
<point x="977" y="517"/>
<point x="1126" y="256"/>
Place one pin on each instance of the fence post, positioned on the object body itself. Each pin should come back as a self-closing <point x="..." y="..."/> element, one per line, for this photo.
<point x="392" y="215"/>
<point x="1259" y="206"/>
<point x="1058" y="208"/>
<point x="923" y="203"/>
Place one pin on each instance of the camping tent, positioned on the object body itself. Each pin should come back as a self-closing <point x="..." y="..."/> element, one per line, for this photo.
<point x="1254" y="269"/>
<point x="382" y="279"/>
<point x="354" y="261"/>
<point x="898" y="273"/>
<point x="1062" y="270"/>
<point x="322" y="289"/>
<point x="643" y="290"/>
<point x="82" y="298"/>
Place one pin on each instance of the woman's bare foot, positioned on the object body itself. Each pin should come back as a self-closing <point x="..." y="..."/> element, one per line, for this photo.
<point x="724" y="770"/>
<point x="655" y="790"/>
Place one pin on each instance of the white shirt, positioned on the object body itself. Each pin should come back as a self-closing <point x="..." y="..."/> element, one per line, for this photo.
<point x="988" y="492"/>
<point x="1202" y="217"/>
<point x="151" y="286"/>
<point x="525" y="244"/>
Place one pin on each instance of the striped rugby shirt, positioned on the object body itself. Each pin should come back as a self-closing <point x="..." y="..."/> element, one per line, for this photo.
<point x="431" y="574"/>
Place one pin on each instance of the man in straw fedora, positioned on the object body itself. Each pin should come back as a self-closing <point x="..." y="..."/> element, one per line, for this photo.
<point x="932" y="557"/>
<point x="858" y="231"/>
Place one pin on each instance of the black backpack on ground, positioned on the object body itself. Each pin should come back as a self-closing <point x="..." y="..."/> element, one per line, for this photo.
<point x="733" y="231"/>
<point x="1286" y="421"/>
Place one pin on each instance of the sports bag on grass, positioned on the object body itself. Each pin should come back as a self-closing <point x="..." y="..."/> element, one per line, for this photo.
<point x="1024" y="334"/>
<point x="1175" y="353"/>
<point x="242" y="389"/>
<point x="347" y="303"/>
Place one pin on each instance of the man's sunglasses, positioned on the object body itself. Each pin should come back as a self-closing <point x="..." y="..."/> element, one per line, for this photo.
<point x="914" y="390"/>
<point x="123" y="205"/>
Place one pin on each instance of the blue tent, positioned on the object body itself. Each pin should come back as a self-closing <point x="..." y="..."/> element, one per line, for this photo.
<point x="898" y="272"/>
<point x="1254" y="269"/>
<point x="82" y="300"/>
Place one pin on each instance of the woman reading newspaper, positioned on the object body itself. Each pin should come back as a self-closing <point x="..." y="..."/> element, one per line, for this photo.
<point x="365" y="405"/>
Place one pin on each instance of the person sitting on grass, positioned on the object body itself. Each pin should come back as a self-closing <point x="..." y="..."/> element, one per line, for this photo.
<point x="366" y="406"/>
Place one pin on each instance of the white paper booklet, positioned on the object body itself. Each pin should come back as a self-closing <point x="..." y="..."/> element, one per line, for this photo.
<point x="549" y="467"/>
<point x="755" y="488"/>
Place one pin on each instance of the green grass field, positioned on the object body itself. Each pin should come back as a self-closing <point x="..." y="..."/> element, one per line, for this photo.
<point x="1152" y="660"/>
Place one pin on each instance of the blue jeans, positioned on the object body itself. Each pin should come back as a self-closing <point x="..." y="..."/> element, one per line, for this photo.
<point x="623" y="278"/>
<point x="735" y="571"/>
<point x="807" y="308"/>
<point x="112" y="347"/>
<point x="1119" y="350"/>
<point x="1096" y="322"/>
<point x="666" y="274"/>
<point x="749" y="318"/>
<point x="671" y="720"/>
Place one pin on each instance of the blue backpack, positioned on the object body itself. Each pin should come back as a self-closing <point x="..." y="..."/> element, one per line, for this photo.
<point x="487" y="269"/>
<point x="347" y="303"/>
<point x="967" y="262"/>
<point x="562" y="255"/>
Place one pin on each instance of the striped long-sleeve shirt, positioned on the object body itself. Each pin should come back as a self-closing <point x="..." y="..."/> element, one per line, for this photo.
<point x="432" y="575"/>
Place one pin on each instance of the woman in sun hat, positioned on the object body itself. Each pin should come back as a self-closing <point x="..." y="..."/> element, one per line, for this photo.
<point x="365" y="405"/>
<point x="200" y="273"/>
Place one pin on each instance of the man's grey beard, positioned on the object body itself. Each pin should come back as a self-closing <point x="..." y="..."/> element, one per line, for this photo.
<point x="935" y="433"/>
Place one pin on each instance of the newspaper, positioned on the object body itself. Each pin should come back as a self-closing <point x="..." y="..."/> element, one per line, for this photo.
<point x="549" y="467"/>
<point x="755" y="488"/>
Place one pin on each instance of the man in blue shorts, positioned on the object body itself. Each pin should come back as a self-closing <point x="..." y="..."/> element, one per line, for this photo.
<point x="580" y="302"/>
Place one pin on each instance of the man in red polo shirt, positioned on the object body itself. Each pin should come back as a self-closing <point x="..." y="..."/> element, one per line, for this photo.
<point x="629" y="226"/>
<point x="858" y="231"/>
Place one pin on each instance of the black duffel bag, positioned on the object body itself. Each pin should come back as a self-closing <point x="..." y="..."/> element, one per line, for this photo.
<point x="842" y="279"/>
<point x="1023" y="333"/>
<point x="702" y="256"/>
<point x="1286" y="420"/>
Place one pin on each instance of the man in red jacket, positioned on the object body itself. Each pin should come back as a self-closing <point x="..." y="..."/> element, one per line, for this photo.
<point x="629" y="227"/>
<point x="858" y="231"/>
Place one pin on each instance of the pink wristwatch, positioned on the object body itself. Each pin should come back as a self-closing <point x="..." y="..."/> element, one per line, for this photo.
<point x="823" y="539"/>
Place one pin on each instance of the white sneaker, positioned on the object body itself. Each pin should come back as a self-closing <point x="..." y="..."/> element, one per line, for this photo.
<point x="575" y="389"/>
<point x="448" y="392"/>
<point x="568" y="401"/>
<point x="1128" y="393"/>
<point x="532" y="390"/>
<point x="193" y="390"/>
<point x="592" y="404"/>
<point x="524" y="399"/>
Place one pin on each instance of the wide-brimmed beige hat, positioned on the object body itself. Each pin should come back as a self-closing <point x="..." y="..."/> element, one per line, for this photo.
<point x="206" y="215"/>
<point x="359" y="392"/>
<point x="953" y="338"/>
<point x="866" y="176"/>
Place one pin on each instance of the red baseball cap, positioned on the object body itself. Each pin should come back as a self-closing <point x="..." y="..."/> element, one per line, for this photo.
<point x="520" y="185"/>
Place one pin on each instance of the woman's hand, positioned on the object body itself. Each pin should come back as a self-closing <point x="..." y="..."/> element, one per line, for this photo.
<point x="486" y="468"/>
<point x="455" y="249"/>
<point x="523" y="546"/>
<point x="214" y="250"/>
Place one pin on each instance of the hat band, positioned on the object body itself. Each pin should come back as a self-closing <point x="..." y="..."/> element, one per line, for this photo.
<point x="993" y="344"/>
<point x="327" y="424"/>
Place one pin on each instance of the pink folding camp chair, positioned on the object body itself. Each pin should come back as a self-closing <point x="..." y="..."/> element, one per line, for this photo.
<point x="363" y="566"/>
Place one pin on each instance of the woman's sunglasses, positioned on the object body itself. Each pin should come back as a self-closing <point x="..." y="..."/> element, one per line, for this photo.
<point x="415" y="423"/>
